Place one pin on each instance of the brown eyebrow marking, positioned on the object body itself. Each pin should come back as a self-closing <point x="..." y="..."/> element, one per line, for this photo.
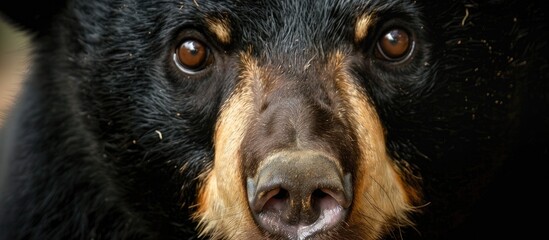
<point x="221" y="28"/>
<point x="362" y="25"/>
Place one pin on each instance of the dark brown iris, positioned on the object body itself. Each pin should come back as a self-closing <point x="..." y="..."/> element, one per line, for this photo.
<point x="394" y="45"/>
<point x="192" y="55"/>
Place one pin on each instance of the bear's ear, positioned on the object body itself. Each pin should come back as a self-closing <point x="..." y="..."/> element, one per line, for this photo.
<point x="32" y="16"/>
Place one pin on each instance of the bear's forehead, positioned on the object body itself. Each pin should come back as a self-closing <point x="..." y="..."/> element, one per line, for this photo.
<point x="284" y="25"/>
<point x="289" y="22"/>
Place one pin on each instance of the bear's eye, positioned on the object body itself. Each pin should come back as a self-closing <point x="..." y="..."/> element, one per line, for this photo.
<point x="192" y="55"/>
<point x="395" y="45"/>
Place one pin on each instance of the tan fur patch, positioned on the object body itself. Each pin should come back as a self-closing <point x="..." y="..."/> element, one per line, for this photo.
<point x="221" y="29"/>
<point x="223" y="211"/>
<point x="362" y="25"/>
<point x="381" y="199"/>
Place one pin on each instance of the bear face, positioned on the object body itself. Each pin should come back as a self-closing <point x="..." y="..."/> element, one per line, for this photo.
<point x="266" y="120"/>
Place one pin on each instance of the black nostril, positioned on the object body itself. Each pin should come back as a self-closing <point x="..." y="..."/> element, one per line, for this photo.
<point x="319" y="194"/>
<point x="281" y="195"/>
<point x="275" y="200"/>
<point x="318" y="197"/>
<point x="297" y="194"/>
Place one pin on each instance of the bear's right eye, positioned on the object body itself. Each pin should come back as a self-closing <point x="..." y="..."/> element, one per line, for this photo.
<point x="192" y="56"/>
<point x="396" y="45"/>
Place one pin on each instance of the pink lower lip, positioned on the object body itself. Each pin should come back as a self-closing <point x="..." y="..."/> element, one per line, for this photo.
<point x="327" y="220"/>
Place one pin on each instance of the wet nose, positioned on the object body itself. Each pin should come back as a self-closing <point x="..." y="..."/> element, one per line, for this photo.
<point x="299" y="194"/>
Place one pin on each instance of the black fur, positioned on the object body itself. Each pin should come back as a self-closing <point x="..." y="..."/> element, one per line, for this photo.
<point x="108" y="140"/>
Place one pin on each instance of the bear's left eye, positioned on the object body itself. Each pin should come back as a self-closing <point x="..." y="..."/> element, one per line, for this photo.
<point x="395" y="45"/>
<point x="192" y="56"/>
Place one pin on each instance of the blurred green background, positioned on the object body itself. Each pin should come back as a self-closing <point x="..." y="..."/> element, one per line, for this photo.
<point x="14" y="64"/>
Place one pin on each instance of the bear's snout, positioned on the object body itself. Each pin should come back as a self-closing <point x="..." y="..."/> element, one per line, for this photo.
<point x="299" y="193"/>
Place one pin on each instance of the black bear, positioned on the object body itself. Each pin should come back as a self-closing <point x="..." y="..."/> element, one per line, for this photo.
<point x="361" y="119"/>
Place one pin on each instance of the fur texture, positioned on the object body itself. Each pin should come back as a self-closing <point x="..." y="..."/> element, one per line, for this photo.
<point x="110" y="140"/>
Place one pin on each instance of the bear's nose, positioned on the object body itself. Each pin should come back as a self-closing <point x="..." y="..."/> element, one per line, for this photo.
<point x="299" y="194"/>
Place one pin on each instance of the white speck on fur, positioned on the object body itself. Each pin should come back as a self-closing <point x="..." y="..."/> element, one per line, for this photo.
<point x="159" y="134"/>
<point x="465" y="17"/>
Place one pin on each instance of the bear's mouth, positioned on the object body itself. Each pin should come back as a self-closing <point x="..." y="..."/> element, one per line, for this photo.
<point x="327" y="220"/>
